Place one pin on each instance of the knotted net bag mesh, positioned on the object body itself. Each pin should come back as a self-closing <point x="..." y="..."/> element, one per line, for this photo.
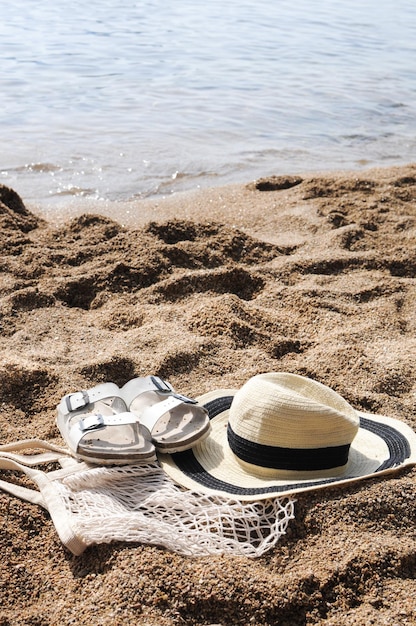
<point x="142" y="504"/>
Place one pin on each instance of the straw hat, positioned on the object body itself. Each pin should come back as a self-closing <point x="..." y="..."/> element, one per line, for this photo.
<point x="283" y="433"/>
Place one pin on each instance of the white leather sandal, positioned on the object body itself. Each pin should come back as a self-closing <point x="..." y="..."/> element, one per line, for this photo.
<point x="98" y="428"/>
<point x="176" y="423"/>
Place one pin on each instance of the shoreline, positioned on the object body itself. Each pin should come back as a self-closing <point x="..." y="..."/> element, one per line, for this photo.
<point x="312" y="274"/>
<point x="215" y="202"/>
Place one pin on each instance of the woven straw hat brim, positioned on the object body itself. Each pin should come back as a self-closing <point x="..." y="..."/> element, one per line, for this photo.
<point x="382" y="445"/>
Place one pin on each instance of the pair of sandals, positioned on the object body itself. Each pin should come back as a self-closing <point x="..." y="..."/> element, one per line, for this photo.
<point x="109" y="425"/>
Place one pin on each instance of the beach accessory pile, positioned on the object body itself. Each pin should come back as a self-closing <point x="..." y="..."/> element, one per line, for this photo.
<point x="140" y="503"/>
<point x="215" y="475"/>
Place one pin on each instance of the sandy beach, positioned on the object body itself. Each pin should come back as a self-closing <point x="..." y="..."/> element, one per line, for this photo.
<point x="312" y="274"/>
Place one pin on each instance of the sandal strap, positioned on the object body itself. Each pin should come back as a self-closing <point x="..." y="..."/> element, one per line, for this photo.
<point x="137" y="386"/>
<point x="96" y="422"/>
<point x="81" y="399"/>
<point x="150" y="416"/>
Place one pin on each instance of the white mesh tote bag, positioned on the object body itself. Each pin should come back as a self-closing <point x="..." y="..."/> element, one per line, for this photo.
<point x="138" y="503"/>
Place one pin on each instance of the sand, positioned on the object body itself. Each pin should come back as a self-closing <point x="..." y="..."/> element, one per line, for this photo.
<point x="311" y="274"/>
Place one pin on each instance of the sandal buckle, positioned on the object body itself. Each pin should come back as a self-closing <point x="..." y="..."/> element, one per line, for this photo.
<point x="184" y="398"/>
<point x="92" y="422"/>
<point x="77" y="400"/>
<point x="161" y="384"/>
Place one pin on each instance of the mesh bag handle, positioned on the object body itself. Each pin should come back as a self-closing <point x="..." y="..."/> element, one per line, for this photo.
<point x="47" y="495"/>
<point x="11" y="458"/>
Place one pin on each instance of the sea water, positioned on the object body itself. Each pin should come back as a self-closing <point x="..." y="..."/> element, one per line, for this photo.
<point x="122" y="99"/>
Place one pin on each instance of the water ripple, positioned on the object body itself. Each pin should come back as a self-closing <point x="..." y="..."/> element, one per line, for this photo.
<point x="120" y="99"/>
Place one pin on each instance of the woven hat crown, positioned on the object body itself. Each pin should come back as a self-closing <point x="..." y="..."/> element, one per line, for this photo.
<point x="282" y="421"/>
